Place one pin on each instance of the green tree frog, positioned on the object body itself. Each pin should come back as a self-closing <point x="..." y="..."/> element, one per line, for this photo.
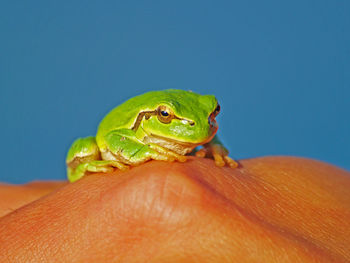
<point x="161" y="125"/>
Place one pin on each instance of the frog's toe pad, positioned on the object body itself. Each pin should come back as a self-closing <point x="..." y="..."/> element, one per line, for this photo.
<point x="201" y="153"/>
<point x="182" y="158"/>
<point x="232" y="163"/>
<point x="219" y="160"/>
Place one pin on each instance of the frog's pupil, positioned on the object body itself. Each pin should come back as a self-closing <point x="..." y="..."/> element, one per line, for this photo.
<point x="164" y="113"/>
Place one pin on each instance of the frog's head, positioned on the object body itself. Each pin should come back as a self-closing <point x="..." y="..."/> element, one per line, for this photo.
<point x="176" y="117"/>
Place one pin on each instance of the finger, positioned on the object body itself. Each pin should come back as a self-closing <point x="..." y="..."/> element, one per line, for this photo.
<point x="15" y="196"/>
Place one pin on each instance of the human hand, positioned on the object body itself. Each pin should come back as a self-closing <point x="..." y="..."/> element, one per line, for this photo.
<point x="271" y="209"/>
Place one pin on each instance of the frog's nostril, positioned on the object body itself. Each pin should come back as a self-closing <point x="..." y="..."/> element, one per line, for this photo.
<point x="184" y="121"/>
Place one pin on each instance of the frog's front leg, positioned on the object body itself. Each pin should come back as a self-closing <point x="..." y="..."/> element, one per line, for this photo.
<point x="126" y="147"/>
<point x="84" y="156"/>
<point x="217" y="150"/>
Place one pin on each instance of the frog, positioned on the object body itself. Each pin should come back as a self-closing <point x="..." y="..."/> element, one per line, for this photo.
<point x="166" y="125"/>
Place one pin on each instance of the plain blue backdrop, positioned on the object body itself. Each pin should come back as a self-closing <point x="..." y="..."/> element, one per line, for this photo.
<point x="280" y="70"/>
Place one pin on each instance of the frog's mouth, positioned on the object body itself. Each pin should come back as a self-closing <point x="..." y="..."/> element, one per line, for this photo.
<point x="176" y="146"/>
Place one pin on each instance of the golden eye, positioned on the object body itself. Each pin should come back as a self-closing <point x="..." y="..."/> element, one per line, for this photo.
<point x="164" y="114"/>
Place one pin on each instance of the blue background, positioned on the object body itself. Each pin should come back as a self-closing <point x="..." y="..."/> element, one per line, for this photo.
<point x="280" y="70"/>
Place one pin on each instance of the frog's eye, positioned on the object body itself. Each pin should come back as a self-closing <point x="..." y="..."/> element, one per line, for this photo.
<point x="164" y="114"/>
<point x="217" y="110"/>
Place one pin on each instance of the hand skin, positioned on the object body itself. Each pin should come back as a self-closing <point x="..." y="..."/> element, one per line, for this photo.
<point x="270" y="209"/>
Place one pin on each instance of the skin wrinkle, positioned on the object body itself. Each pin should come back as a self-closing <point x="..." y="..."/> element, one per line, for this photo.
<point x="154" y="206"/>
<point x="143" y="199"/>
<point x="166" y="189"/>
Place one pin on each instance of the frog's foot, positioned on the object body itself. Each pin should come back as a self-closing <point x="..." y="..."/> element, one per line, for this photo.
<point x="165" y="154"/>
<point x="219" y="153"/>
<point x="95" y="167"/>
